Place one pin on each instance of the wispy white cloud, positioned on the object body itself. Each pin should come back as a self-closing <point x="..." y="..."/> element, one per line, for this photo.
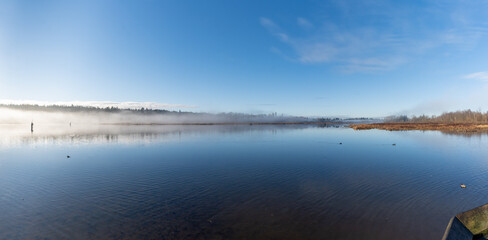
<point x="267" y="23"/>
<point x="378" y="36"/>
<point x="482" y="76"/>
<point x="372" y="64"/>
<point x="274" y="29"/>
<point x="351" y="50"/>
<point x="101" y="104"/>
<point x="304" y="23"/>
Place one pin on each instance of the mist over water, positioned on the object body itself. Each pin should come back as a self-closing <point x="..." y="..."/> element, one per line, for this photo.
<point x="234" y="182"/>
<point x="99" y="116"/>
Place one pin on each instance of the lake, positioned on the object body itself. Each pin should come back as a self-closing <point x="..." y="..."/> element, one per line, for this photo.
<point x="235" y="182"/>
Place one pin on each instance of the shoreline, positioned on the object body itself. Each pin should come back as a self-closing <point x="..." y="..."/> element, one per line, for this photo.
<point x="194" y="124"/>
<point x="243" y="123"/>
<point x="448" y="127"/>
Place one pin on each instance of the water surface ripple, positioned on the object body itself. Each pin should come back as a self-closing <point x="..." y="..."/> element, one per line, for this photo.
<point x="235" y="182"/>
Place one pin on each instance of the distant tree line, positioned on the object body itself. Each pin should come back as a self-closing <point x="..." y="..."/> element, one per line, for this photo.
<point x="229" y="117"/>
<point x="466" y="116"/>
<point x="328" y="119"/>
<point x="75" y="108"/>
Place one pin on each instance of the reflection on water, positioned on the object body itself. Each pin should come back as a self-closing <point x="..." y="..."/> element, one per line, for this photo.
<point x="235" y="182"/>
<point x="20" y="134"/>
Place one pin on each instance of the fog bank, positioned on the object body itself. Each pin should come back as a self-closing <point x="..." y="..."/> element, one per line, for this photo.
<point x="81" y="115"/>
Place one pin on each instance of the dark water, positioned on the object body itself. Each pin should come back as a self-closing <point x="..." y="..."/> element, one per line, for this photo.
<point x="235" y="182"/>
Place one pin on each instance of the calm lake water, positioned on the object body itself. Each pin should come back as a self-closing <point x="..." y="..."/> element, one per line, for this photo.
<point x="235" y="182"/>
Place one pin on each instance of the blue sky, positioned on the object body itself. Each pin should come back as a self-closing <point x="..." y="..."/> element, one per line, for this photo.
<point x="334" y="58"/>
